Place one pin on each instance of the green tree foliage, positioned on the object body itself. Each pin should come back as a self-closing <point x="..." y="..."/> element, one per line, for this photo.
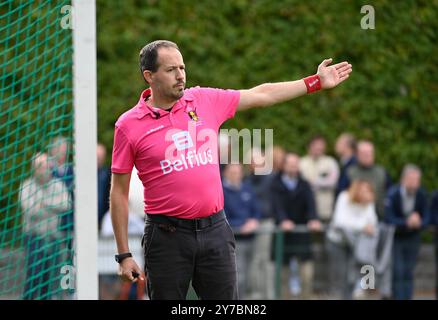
<point x="390" y="98"/>
<point x="35" y="94"/>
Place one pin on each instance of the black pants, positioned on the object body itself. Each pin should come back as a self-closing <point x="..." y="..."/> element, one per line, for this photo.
<point x="405" y="252"/>
<point x="175" y="256"/>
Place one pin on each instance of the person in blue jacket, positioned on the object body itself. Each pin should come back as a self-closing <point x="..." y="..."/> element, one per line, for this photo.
<point x="243" y="214"/>
<point x="406" y="208"/>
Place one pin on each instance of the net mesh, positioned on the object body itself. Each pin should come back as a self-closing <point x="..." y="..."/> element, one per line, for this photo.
<point x="36" y="170"/>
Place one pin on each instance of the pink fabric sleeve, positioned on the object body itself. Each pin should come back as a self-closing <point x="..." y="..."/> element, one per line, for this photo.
<point x="223" y="102"/>
<point x="123" y="153"/>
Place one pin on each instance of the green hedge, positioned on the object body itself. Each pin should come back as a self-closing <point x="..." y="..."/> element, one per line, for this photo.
<point x="35" y="96"/>
<point x="390" y="98"/>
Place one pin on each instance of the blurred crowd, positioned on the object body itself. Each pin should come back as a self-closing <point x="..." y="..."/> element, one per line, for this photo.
<point x="364" y="217"/>
<point x="46" y="200"/>
<point x="367" y="218"/>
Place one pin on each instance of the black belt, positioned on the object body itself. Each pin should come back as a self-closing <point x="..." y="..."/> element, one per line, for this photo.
<point x="194" y="224"/>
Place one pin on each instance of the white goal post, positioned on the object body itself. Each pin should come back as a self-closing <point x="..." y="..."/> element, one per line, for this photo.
<point x="85" y="137"/>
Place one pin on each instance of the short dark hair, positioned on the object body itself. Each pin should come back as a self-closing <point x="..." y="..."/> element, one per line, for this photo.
<point x="351" y="140"/>
<point x="290" y="154"/>
<point x="316" y="137"/>
<point x="410" y="167"/>
<point x="149" y="54"/>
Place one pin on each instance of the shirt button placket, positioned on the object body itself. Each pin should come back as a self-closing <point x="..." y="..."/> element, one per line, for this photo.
<point x="171" y="119"/>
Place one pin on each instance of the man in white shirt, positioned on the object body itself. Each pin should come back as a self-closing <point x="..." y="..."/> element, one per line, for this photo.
<point x="322" y="172"/>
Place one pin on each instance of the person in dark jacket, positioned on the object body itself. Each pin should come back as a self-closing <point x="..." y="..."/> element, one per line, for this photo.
<point x="346" y="150"/>
<point x="243" y="214"/>
<point x="293" y="205"/>
<point x="62" y="168"/>
<point x="367" y="169"/>
<point x="261" y="275"/>
<point x="434" y="221"/>
<point x="406" y="208"/>
<point x="103" y="184"/>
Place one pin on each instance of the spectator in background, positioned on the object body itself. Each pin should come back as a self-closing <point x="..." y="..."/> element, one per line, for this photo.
<point x="261" y="273"/>
<point x="243" y="214"/>
<point x="366" y="169"/>
<point x="406" y="208"/>
<point x="43" y="198"/>
<point x="224" y="146"/>
<point x="346" y="150"/>
<point x="128" y="290"/>
<point x="61" y="169"/>
<point x="261" y="182"/>
<point x="103" y="183"/>
<point x="293" y="204"/>
<point x="135" y="209"/>
<point x="374" y="173"/>
<point x="322" y="172"/>
<point x="136" y="202"/>
<point x="59" y="153"/>
<point x="354" y="214"/>
<point x="434" y="221"/>
<point x="276" y="155"/>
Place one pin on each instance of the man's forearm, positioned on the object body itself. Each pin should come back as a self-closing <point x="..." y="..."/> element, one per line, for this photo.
<point x="119" y="217"/>
<point x="273" y="93"/>
<point x="268" y="94"/>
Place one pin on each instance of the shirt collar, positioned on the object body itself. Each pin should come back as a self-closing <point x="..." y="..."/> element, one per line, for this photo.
<point x="347" y="160"/>
<point x="405" y="193"/>
<point x="290" y="182"/>
<point x="144" y="109"/>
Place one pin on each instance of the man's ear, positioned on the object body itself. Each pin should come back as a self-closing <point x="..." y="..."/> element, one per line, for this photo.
<point x="147" y="76"/>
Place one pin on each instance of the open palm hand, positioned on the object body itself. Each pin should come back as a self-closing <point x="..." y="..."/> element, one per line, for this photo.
<point x="333" y="75"/>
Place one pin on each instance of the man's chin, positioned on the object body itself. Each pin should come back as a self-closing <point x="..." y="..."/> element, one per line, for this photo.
<point x="179" y="93"/>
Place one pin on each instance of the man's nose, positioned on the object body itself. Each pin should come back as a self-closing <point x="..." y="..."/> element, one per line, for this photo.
<point x="179" y="75"/>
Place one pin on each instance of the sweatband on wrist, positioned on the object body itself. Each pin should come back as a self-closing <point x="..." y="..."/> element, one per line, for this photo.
<point x="313" y="83"/>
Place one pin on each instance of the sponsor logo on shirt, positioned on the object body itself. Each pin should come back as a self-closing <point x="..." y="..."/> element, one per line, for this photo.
<point x="189" y="149"/>
<point x="187" y="161"/>
<point x="182" y="140"/>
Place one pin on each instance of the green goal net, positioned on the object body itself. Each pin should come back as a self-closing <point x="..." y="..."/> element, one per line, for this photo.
<point x="36" y="154"/>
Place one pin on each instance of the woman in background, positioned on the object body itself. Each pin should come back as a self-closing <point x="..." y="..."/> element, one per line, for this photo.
<point x="354" y="214"/>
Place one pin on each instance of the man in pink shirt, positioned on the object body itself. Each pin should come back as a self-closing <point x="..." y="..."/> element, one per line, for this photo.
<point x="171" y="138"/>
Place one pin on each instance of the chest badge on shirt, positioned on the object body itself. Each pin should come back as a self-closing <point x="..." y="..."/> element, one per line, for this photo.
<point x="192" y="114"/>
<point x="194" y="117"/>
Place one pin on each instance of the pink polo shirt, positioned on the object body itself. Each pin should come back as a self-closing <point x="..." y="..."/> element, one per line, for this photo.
<point x="176" y="152"/>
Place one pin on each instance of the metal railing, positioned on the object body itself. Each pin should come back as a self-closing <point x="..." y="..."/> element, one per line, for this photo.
<point x="107" y="249"/>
